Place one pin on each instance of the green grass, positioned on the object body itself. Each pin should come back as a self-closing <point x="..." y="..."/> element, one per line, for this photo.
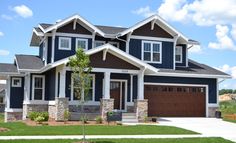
<point x="18" y="128"/>
<point x="1" y="117"/>
<point x="186" y="140"/>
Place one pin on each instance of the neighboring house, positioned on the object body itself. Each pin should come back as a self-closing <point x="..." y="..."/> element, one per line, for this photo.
<point x="143" y="69"/>
<point x="2" y="97"/>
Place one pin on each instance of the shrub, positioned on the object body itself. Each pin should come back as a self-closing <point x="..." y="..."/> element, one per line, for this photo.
<point x="84" y="119"/>
<point x="33" y="115"/>
<point x="39" y="119"/>
<point x="66" y="115"/>
<point x="44" y="115"/>
<point x="98" y="119"/>
<point x="145" y="119"/>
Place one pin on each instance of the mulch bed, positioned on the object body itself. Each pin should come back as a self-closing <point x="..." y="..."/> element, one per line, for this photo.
<point x="3" y="129"/>
<point x="68" y="123"/>
<point x="230" y="116"/>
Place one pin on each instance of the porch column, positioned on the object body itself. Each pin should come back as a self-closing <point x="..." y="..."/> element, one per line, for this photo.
<point x="62" y="88"/>
<point x="26" y="96"/>
<point x="140" y="85"/>
<point x="107" y="85"/>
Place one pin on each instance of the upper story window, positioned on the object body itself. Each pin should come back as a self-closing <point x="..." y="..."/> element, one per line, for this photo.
<point x="115" y="44"/>
<point x="99" y="43"/>
<point x="38" y="87"/>
<point x="91" y="92"/>
<point x="82" y="43"/>
<point x="178" y="54"/>
<point x="16" y="82"/>
<point x="64" y="43"/>
<point x="151" y="51"/>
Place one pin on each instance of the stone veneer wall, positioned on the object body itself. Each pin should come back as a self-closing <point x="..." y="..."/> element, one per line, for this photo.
<point x="52" y="111"/>
<point x="13" y="116"/>
<point x="211" y="111"/>
<point x="27" y="108"/>
<point x="90" y="111"/>
<point x="141" y="107"/>
<point x="61" y="105"/>
<point x="130" y="109"/>
<point x="107" y="105"/>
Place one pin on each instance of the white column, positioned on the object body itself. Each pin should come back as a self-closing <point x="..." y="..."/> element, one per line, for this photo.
<point x="8" y="92"/>
<point x="141" y="85"/>
<point x="107" y="85"/>
<point x="27" y="87"/>
<point x="53" y="45"/>
<point x="131" y="88"/>
<point x="62" y="90"/>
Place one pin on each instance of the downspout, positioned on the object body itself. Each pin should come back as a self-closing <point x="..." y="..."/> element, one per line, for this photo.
<point x="175" y="43"/>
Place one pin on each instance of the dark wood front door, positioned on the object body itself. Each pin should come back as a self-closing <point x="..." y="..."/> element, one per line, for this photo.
<point x="117" y="92"/>
<point x="176" y="101"/>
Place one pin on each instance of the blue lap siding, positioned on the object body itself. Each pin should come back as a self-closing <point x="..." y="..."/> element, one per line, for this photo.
<point x="212" y="85"/>
<point x="17" y="94"/>
<point x="135" y="49"/>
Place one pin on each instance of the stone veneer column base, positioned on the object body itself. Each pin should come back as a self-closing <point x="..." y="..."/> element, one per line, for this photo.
<point x="107" y="105"/>
<point x="12" y="116"/>
<point x="141" y="109"/>
<point x="61" y="105"/>
<point x="211" y="111"/>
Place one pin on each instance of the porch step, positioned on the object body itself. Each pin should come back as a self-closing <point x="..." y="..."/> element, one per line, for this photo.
<point x="129" y="118"/>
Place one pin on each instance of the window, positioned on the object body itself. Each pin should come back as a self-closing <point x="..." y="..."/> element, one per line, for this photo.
<point x="115" y="44"/>
<point x="99" y="43"/>
<point x="151" y="51"/>
<point x="1" y="100"/>
<point x="91" y="92"/>
<point x="38" y="87"/>
<point x="178" y="54"/>
<point x="82" y="43"/>
<point x="64" y="43"/>
<point x="16" y="82"/>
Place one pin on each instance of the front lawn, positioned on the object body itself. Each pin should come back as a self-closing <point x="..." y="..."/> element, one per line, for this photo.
<point x="1" y="117"/>
<point x="20" y="129"/>
<point x="183" y="140"/>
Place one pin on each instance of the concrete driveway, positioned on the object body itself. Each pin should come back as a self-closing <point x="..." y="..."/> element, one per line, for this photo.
<point x="206" y="126"/>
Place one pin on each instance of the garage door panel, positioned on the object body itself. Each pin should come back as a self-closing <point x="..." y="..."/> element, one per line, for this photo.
<point x="175" y="101"/>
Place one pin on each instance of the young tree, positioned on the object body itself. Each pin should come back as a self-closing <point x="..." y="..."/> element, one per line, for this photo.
<point x="79" y="65"/>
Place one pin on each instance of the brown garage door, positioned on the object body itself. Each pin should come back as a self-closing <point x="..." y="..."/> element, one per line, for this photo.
<point x="175" y="101"/>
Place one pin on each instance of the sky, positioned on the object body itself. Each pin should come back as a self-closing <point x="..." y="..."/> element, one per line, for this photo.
<point x="211" y="22"/>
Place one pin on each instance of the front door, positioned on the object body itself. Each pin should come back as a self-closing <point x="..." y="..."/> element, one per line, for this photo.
<point x="117" y="92"/>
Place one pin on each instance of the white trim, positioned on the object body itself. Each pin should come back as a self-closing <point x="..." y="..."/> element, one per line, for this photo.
<point x="131" y="87"/>
<point x="81" y="39"/>
<point x="126" y="86"/>
<point x="13" y="110"/>
<point x="117" y="43"/>
<point x="217" y="91"/>
<point x="151" y="51"/>
<point x="16" y="78"/>
<point x="76" y="102"/>
<point x="8" y="92"/>
<point x="64" y="48"/>
<point x="107" y="81"/>
<point x="72" y="91"/>
<point x="39" y="102"/>
<point x="127" y="42"/>
<point x="152" y="38"/>
<point x="73" y="35"/>
<point x="181" y="54"/>
<point x="53" y="45"/>
<point x="99" y="41"/>
<point x="115" y="70"/>
<point x="43" y="86"/>
<point x="191" y="85"/>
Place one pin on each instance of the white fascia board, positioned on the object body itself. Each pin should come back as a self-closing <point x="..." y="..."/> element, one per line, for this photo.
<point x="190" y="75"/>
<point x="38" y="33"/>
<point x="67" y="20"/>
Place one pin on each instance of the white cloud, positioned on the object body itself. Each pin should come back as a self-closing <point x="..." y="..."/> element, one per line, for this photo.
<point x="233" y="31"/>
<point x="230" y="70"/>
<point x="224" y="40"/>
<point x="195" y="49"/>
<point x="7" y="17"/>
<point x="23" y="11"/>
<point x="144" y="11"/>
<point x="4" y="53"/>
<point x="1" y="34"/>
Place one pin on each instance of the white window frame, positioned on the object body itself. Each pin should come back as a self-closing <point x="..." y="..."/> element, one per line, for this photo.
<point x="81" y="39"/>
<point x="97" y="41"/>
<point x="43" y="86"/>
<point x="112" y="42"/>
<point x="16" y="78"/>
<point x="64" y="48"/>
<point x="181" y="54"/>
<point x="152" y="42"/>
<point x="72" y="89"/>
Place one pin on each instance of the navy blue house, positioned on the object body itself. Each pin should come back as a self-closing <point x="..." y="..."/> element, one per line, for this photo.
<point x="143" y="70"/>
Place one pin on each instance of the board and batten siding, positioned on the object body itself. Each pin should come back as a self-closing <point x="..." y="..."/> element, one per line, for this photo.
<point x="61" y="54"/>
<point x="212" y="83"/>
<point x="17" y="94"/>
<point x="135" y="49"/>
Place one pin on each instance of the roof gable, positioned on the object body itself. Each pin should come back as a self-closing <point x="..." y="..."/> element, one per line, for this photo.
<point x="79" y="29"/>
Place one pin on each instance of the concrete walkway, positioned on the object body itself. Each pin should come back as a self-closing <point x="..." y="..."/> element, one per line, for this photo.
<point x="205" y="126"/>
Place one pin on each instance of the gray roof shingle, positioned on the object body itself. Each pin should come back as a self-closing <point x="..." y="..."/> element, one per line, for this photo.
<point x="110" y="29"/>
<point x="29" y="62"/>
<point x="45" y="25"/>
<point x="5" y="68"/>
<point x="195" y="68"/>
